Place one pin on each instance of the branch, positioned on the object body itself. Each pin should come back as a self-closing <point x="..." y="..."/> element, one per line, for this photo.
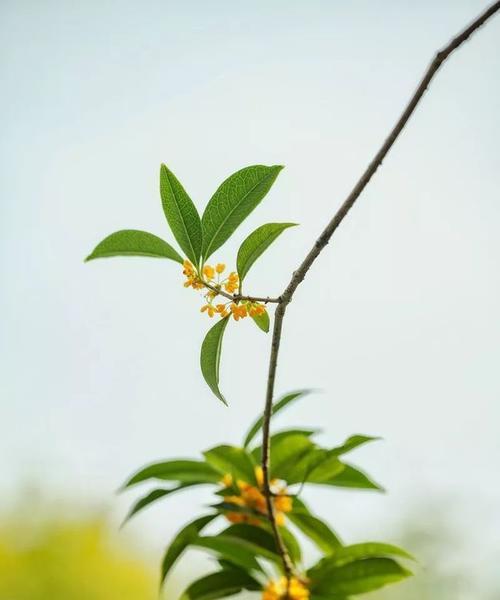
<point x="266" y="437"/>
<point x="239" y="297"/>
<point x="322" y="241"/>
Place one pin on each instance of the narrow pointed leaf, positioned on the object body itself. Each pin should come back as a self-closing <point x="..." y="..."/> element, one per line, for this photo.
<point x="356" y="577"/>
<point x="183" y="471"/>
<point x="232" y="461"/>
<point x="286" y="453"/>
<point x="181" y="215"/>
<point x="263" y="536"/>
<point x="240" y="552"/>
<point x="292" y="544"/>
<point x="154" y="496"/>
<point x="352" y="477"/>
<point x="211" y="350"/>
<point x="279" y="436"/>
<point x="276" y="437"/>
<point x="314" y="528"/>
<point x="257" y="243"/>
<point x="221" y="585"/>
<point x="132" y="242"/>
<point x="329" y="597"/>
<point x="348" y="554"/>
<point x="262" y="321"/>
<point x="351" y="443"/>
<point x="181" y="541"/>
<point x="324" y="467"/>
<point x="225" y="507"/>
<point x="277" y="407"/>
<point x="233" y="201"/>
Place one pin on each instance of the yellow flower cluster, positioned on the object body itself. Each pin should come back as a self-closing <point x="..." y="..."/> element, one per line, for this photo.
<point x="211" y="280"/>
<point x="252" y="497"/>
<point x="281" y="589"/>
<point x="192" y="279"/>
<point x="212" y="276"/>
<point x="211" y="310"/>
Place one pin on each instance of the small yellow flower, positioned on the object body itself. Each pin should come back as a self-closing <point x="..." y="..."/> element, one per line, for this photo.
<point x="188" y="268"/>
<point x="192" y="279"/>
<point x="239" y="311"/>
<point x="221" y="310"/>
<point x="283" y="503"/>
<point x="208" y="272"/>
<point x="209" y="309"/>
<point x="252" y="497"/>
<point x="281" y="589"/>
<point x="259" y="476"/>
<point x="206" y="279"/>
<point x="227" y="480"/>
<point x="255" y="309"/>
<point x="232" y="283"/>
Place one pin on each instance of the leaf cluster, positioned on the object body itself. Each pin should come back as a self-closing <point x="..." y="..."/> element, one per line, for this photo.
<point x="198" y="237"/>
<point x="246" y="552"/>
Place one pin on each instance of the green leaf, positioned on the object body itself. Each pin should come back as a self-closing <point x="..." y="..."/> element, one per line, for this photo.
<point x="250" y="533"/>
<point x="290" y="461"/>
<point x="292" y="544"/>
<point x="314" y="528"/>
<point x="233" y="461"/>
<point x="277" y="407"/>
<point x="183" y="471"/>
<point x="224" y="507"/>
<point x="256" y="243"/>
<point x="323" y="467"/>
<point x="348" y="554"/>
<point x="356" y="577"/>
<point x="329" y="597"/>
<point x="351" y="443"/>
<point x="263" y="536"/>
<point x="181" y="541"/>
<point x="279" y="436"/>
<point x="286" y="452"/>
<point x="155" y="495"/>
<point x="221" y="585"/>
<point x="211" y="350"/>
<point x="181" y="215"/>
<point x="352" y="477"/>
<point x="233" y="201"/>
<point x="132" y="242"/>
<point x="262" y="321"/>
<point x="240" y="552"/>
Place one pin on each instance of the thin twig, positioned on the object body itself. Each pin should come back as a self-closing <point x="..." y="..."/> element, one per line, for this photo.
<point x="239" y="297"/>
<point x="323" y="240"/>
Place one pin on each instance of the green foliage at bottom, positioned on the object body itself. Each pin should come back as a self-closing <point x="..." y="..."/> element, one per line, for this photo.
<point x="237" y="532"/>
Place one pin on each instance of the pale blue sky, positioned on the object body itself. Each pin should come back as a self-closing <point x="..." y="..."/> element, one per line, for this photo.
<point x="398" y="320"/>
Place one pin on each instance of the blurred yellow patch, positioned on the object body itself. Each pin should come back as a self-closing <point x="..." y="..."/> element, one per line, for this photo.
<point x="69" y="560"/>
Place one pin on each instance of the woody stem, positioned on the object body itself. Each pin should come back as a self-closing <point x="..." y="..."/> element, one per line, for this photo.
<point x="299" y="275"/>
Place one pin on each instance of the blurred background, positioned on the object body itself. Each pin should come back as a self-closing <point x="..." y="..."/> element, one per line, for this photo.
<point x="397" y="323"/>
